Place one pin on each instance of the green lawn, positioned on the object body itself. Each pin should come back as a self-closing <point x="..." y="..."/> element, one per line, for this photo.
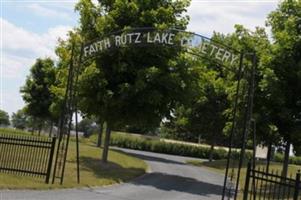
<point x="121" y="168"/>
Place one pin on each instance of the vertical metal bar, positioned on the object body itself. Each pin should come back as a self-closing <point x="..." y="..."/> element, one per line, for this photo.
<point x="1" y="151"/>
<point x="39" y="157"/>
<point x="42" y="159"/>
<point x="19" y="156"/>
<point x="76" y="112"/>
<point x="254" y="157"/>
<point x="275" y="185"/>
<point x="280" y="183"/>
<point x="46" y="154"/>
<point x="6" y="147"/>
<point x="24" y="152"/>
<point x="12" y="154"/>
<point x="63" y="113"/>
<point x="50" y="160"/>
<point x="246" y="190"/>
<point x="248" y="117"/>
<point x="286" y="181"/>
<point x="297" y="186"/>
<point x="8" y="159"/>
<point x="66" y="152"/>
<point x="233" y="123"/>
<point x="70" y="111"/>
<point x="6" y="156"/>
<point x="35" y="158"/>
<point x="33" y="155"/>
<point x="269" y="157"/>
<point x="265" y="186"/>
<point x="290" y="187"/>
<point x="270" y="185"/>
<point x="261" y="184"/>
<point x="256" y="183"/>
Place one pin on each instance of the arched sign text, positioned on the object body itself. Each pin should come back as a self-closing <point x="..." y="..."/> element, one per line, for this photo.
<point x="192" y="42"/>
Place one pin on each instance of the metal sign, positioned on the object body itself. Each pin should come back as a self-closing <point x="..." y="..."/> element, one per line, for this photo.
<point x="190" y="42"/>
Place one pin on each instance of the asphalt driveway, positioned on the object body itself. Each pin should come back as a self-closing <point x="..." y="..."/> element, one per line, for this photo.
<point x="169" y="179"/>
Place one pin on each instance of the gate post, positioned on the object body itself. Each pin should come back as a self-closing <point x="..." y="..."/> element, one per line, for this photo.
<point x="297" y="186"/>
<point x="247" y="183"/>
<point x="50" y="159"/>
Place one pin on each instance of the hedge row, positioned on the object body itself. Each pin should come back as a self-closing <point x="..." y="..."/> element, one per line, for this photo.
<point x="147" y="144"/>
<point x="13" y="131"/>
<point x="157" y="146"/>
<point x="292" y="160"/>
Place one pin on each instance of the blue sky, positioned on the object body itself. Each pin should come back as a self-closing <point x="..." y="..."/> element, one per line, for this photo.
<point x="30" y="29"/>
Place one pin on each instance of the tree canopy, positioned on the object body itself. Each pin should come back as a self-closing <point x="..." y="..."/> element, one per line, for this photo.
<point x="130" y="86"/>
<point x="20" y="119"/>
<point x="4" y="118"/>
<point x="284" y="87"/>
<point x="36" y="91"/>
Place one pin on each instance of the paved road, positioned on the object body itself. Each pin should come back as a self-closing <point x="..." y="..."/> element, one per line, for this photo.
<point x="169" y="179"/>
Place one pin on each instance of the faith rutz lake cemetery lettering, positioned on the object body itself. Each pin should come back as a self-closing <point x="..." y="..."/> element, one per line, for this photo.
<point x="187" y="40"/>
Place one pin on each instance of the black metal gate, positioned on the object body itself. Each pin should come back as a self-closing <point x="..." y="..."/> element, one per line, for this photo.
<point x="262" y="185"/>
<point x="26" y="155"/>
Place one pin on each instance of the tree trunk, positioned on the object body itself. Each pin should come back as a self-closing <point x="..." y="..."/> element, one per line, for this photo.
<point x="99" y="139"/>
<point x="286" y="159"/>
<point x="211" y="152"/>
<point x="269" y="156"/>
<point x="106" y="145"/>
<point x="40" y="129"/>
<point x="33" y="126"/>
<point x="213" y="142"/>
<point x="51" y="128"/>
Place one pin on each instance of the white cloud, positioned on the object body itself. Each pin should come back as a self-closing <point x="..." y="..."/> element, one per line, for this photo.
<point x="19" y="50"/>
<point x="16" y="40"/>
<point x="221" y="16"/>
<point x="48" y="12"/>
<point x="14" y="67"/>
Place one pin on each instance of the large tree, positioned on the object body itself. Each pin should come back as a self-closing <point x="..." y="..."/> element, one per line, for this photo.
<point x="19" y="119"/>
<point x="4" y="118"/>
<point x="204" y="117"/>
<point x="129" y="86"/>
<point x="36" y="91"/>
<point x="284" y="92"/>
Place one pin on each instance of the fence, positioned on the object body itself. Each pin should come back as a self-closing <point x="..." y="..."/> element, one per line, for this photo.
<point x="26" y="155"/>
<point x="262" y="185"/>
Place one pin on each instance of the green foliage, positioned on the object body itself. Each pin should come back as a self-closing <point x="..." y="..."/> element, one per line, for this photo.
<point x="13" y="131"/>
<point x="211" y="113"/>
<point x="292" y="160"/>
<point x="204" y="116"/>
<point x="285" y="62"/>
<point x="132" y="87"/>
<point x="157" y="146"/>
<point x="20" y="119"/>
<point x="88" y="126"/>
<point x="4" y="118"/>
<point x="36" y="91"/>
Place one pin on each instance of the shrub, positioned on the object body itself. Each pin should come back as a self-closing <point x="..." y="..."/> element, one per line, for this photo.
<point x="157" y="146"/>
<point x="292" y="160"/>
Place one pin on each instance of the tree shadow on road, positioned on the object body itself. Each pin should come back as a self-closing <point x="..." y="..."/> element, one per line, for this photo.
<point x="170" y="182"/>
<point x="109" y="170"/>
